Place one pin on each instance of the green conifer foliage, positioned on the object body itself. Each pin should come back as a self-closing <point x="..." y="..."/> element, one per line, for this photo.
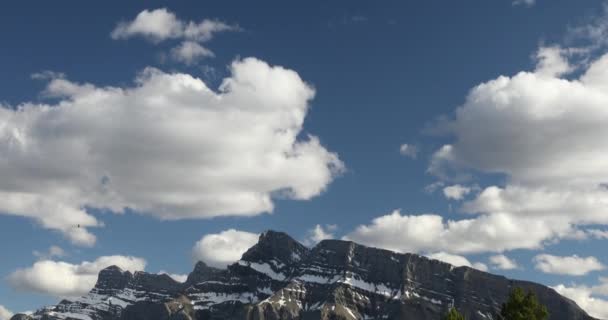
<point x="454" y="315"/>
<point x="523" y="306"/>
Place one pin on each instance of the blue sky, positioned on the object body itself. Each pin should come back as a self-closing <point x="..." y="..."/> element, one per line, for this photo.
<point x="526" y="161"/>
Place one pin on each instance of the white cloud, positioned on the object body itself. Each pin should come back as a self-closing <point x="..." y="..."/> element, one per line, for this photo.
<point x="5" y="314"/>
<point x="205" y="30"/>
<point x="456" y="192"/>
<point x="597" y="233"/>
<point x="46" y="75"/>
<point x="157" y="25"/>
<point x="189" y="52"/>
<point x="528" y="3"/>
<point x="221" y="249"/>
<point x="431" y="233"/>
<point x="177" y="277"/>
<point x="588" y="298"/>
<point x="551" y="62"/>
<point x="578" y="206"/>
<point x="63" y="279"/>
<point x="169" y="146"/>
<point x="592" y="35"/>
<point x="161" y="24"/>
<point x="319" y="233"/>
<point x="458" y="261"/>
<point x="52" y="252"/>
<point x="439" y="160"/>
<point x="602" y="287"/>
<point x="49" y="211"/>
<point x="546" y="135"/>
<point x="566" y="118"/>
<point x="432" y="187"/>
<point x="408" y="150"/>
<point x="502" y="262"/>
<point x="570" y="265"/>
<point x="400" y="233"/>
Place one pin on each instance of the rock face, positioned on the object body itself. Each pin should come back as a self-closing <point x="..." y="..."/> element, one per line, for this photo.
<point x="279" y="278"/>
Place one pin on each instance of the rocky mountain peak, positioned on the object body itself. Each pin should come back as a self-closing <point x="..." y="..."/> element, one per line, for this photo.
<point x="279" y="246"/>
<point x="202" y="272"/>
<point x="279" y="278"/>
<point x="113" y="277"/>
<point x="144" y="281"/>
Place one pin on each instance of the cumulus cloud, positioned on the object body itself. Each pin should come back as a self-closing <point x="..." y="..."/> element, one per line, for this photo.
<point x="458" y="261"/>
<point x="432" y="233"/>
<point x="545" y="134"/>
<point x="591" y="299"/>
<point x="52" y="252"/>
<point x="319" y="233"/>
<point x="509" y="110"/>
<point x="578" y="206"/>
<point x="50" y="211"/>
<point x="401" y="233"/>
<point x="551" y="62"/>
<point x="169" y="146"/>
<point x="158" y="25"/>
<point x="456" y="192"/>
<point x="502" y="262"/>
<point x="570" y="265"/>
<point x="408" y="150"/>
<point x="161" y="24"/>
<point x="5" y="314"/>
<point x="67" y="280"/>
<point x="221" y="249"/>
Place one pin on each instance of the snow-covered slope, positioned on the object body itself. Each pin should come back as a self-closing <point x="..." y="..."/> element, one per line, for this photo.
<point x="279" y="278"/>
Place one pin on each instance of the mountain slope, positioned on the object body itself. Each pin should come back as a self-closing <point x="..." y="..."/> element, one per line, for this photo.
<point x="279" y="278"/>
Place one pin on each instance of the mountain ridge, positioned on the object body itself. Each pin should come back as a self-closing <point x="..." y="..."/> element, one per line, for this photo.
<point x="279" y="278"/>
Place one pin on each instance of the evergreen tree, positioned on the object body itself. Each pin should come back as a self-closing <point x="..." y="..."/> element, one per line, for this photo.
<point x="523" y="306"/>
<point x="454" y="315"/>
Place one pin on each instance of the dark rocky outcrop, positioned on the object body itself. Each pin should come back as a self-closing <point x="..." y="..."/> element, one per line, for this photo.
<point x="21" y="317"/>
<point x="279" y="278"/>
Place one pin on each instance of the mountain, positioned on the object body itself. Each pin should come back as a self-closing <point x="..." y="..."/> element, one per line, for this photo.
<point x="279" y="278"/>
